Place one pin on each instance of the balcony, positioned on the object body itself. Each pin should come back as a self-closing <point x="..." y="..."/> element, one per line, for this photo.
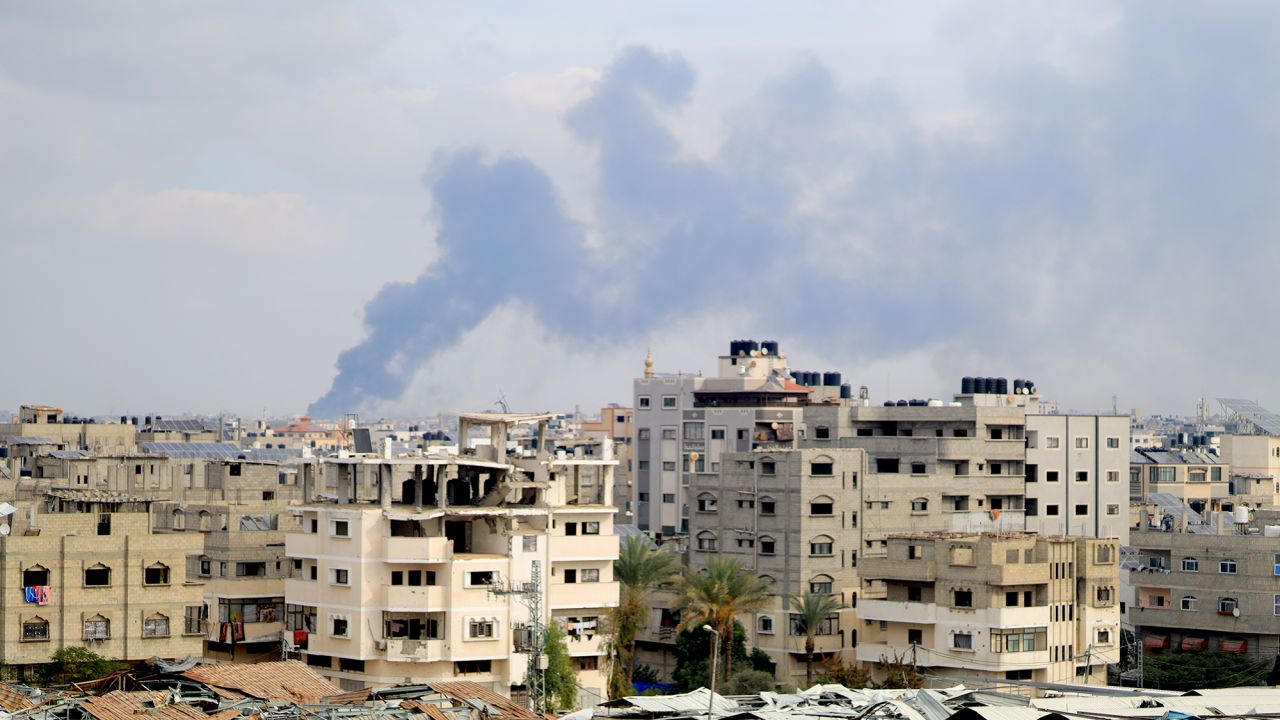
<point x="1019" y="574"/>
<point x="424" y="598"/>
<point x="406" y="650"/>
<point x="897" y="611"/>
<point x="951" y="658"/>
<point x="910" y="570"/>
<point x="584" y="595"/>
<point x="584" y="547"/>
<point x="419" y="549"/>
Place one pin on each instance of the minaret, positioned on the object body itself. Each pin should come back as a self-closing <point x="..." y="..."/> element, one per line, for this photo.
<point x="648" y="365"/>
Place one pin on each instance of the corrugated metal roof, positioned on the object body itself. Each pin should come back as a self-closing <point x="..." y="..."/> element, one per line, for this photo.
<point x="14" y="700"/>
<point x="468" y="692"/>
<point x="288" y="680"/>
<point x="691" y="702"/>
<point x="119" y="705"/>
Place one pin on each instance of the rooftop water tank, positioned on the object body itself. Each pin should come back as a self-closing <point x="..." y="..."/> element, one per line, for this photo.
<point x="846" y="391"/>
<point x="1002" y="386"/>
<point x="1241" y="514"/>
<point x="771" y="346"/>
<point x="1018" y="385"/>
<point x="966" y="386"/>
<point x="902" y="403"/>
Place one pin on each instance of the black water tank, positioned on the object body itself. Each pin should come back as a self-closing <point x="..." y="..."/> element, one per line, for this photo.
<point x="148" y="420"/>
<point x="771" y="346"/>
<point x="1018" y="385"/>
<point x="124" y="419"/>
<point x="835" y="379"/>
<point x="990" y="385"/>
<point x="902" y="403"/>
<point x="135" y="420"/>
<point x="733" y="348"/>
<point x="810" y="378"/>
<point x="846" y="391"/>
<point x="889" y="403"/>
<point x="1031" y="387"/>
<point x="966" y="386"/>
<point x="1002" y="386"/>
<point x="752" y="346"/>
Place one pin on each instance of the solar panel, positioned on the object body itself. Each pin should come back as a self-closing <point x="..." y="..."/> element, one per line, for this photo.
<point x="1261" y="418"/>
<point x="187" y="426"/>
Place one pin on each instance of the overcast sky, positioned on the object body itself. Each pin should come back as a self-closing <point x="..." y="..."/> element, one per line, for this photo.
<point x="409" y="208"/>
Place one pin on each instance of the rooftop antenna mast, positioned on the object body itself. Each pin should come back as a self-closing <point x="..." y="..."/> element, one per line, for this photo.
<point x="530" y="637"/>
<point x="502" y="402"/>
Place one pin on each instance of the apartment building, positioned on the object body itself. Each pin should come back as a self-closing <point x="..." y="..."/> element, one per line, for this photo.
<point x="70" y="433"/>
<point x="791" y="516"/>
<point x="1000" y="606"/>
<point x="1197" y="478"/>
<point x="685" y="423"/>
<point x="1076" y="467"/>
<point x="422" y="567"/>
<point x="617" y="424"/>
<point x="97" y="577"/>
<point x="1255" y="468"/>
<point x="1215" y="589"/>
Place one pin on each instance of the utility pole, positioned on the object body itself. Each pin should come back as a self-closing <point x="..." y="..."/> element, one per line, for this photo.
<point x="533" y="635"/>
<point x="715" y="657"/>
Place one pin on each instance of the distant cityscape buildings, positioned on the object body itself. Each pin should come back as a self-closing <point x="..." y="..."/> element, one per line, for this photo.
<point x="982" y="537"/>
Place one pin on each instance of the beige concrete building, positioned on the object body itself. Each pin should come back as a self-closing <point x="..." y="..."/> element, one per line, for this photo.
<point x="996" y="606"/>
<point x="70" y="433"/>
<point x="1255" y="468"/>
<point x="1217" y="589"/>
<point x="98" y="579"/>
<point x="1198" y="479"/>
<point x="406" y="576"/>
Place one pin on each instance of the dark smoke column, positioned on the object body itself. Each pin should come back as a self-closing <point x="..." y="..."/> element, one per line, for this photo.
<point x="502" y="237"/>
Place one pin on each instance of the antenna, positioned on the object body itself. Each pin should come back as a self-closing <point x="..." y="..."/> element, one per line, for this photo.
<point x="532" y="636"/>
<point x="502" y="402"/>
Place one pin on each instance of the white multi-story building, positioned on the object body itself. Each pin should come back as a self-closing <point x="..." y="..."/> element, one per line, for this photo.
<point x="406" y="576"/>
<point x="1077" y="471"/>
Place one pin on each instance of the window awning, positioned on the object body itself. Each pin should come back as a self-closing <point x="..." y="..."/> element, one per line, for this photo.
<point x="1192" y="644"/>
<point x="1234" y="646"/>
<point x="1155" y="642"/>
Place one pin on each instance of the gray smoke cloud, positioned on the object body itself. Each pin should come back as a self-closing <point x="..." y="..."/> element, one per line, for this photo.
<point x="1086" y="206"/>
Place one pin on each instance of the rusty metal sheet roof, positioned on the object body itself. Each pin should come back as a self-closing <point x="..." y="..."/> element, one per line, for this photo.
<point x="13" y="700"/>
<point x="468" y="692"/>
<point x="120" y="705"/>
<point x="287" y="680"/>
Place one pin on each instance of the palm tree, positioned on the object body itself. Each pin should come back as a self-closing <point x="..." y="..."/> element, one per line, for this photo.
<point x="640" y="569"/>
<point x="716" y="595"/>
<point x="811" y="609"/>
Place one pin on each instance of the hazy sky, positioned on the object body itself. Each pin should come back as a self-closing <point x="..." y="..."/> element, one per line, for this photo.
<point x="203" y="207"/>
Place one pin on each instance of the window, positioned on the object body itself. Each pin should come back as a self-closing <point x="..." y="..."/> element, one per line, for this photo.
<point x="1190" y="564"/>
<point x="886" y="465"/>
<point x="251" y="569"/>
<point x="97" y="628"/>
<point x="717" y="433"/>
<point x="768" y="467"/>
<point x="1051" y="442"/>
<point x="338" y="626"/>
<point x="155" y="626"/>
<point x="668" y="433"/>
<point x="1104" y="636"/>
<point x="340" y="528"/>
<point x="822" y="584"/>
<point x="1227" y="567"/>
<point x="765" y="624"/>
<point x="35" y="576"/>
<point x="643" y="434"/>
<point x="1113" y="442"/>
<point x="962" y="641"/>
<point x="822" y="432"/>
<point x="1113" y="476"/>
<point x="706" y="542"/>
<point x="1082" y="476"/>
<point x="157" y="574"/>
<point x="669" y="498"/>
<point x="669" y="465"/>
<point x="1082" y="443"/>
<point x="643" y="403"/>
<point x="1102" y="554"/>
<point x="668" y="402"/>
<point x="1019" y="640"/>
<point x="350" y="665"/>
<point x="918" y="468"/>
<point x="1051" y="476"/>
<point x="1189" y="602"/>
<point x="1275" y="608"/>
<point x="914" y="593"/>
<point x="1217" y="474"/>
<point x="481" y="578"/>
<point x="963" y="598"/>
<point x="767" y="506"/>
<point x="822" y="506"/>
<point x="590" y="575"/>
<point x="821" y="468"/>
<point x="470" y="667"/>
<point x="820" y="546"/>
<point x="1051" y="510"/>
<point x="481" y="629"/>
<point x="397" y="577"/>
<point x="339" y="576"/>
<point x="37" y="629"/>
<point x="97" y="576"/>
<point x="588" y="528"/>
<point x="695" y="431"/>
<point x="1227" y="606"/>
<point x="706" y="503"/>
<point x="920" y="505"/>
<point x="1102" y="596"/>
<point x="1113" y="509"/>
<point x="767" y="545"/>
<point x="1082" y="509"/>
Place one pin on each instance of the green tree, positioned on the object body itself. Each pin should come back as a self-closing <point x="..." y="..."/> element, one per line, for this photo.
<point x="693" y="657"/>
<point x="640" y="569"/>
<point x="851" y="676"/>
<point x="811" y="609"/>
<point x="717" y="595"/>
<point x="748" y="682"/>
<point x="899" y="673"/>
<point x="1190" y="671"/>
<point x="77" y="664"/>
<point x="560" y="680"/>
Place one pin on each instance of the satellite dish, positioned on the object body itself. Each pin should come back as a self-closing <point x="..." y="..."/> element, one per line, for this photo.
<point x="7" y="509"/>
<point x="1235" y="612"/>
<point x="4" y="530"/>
